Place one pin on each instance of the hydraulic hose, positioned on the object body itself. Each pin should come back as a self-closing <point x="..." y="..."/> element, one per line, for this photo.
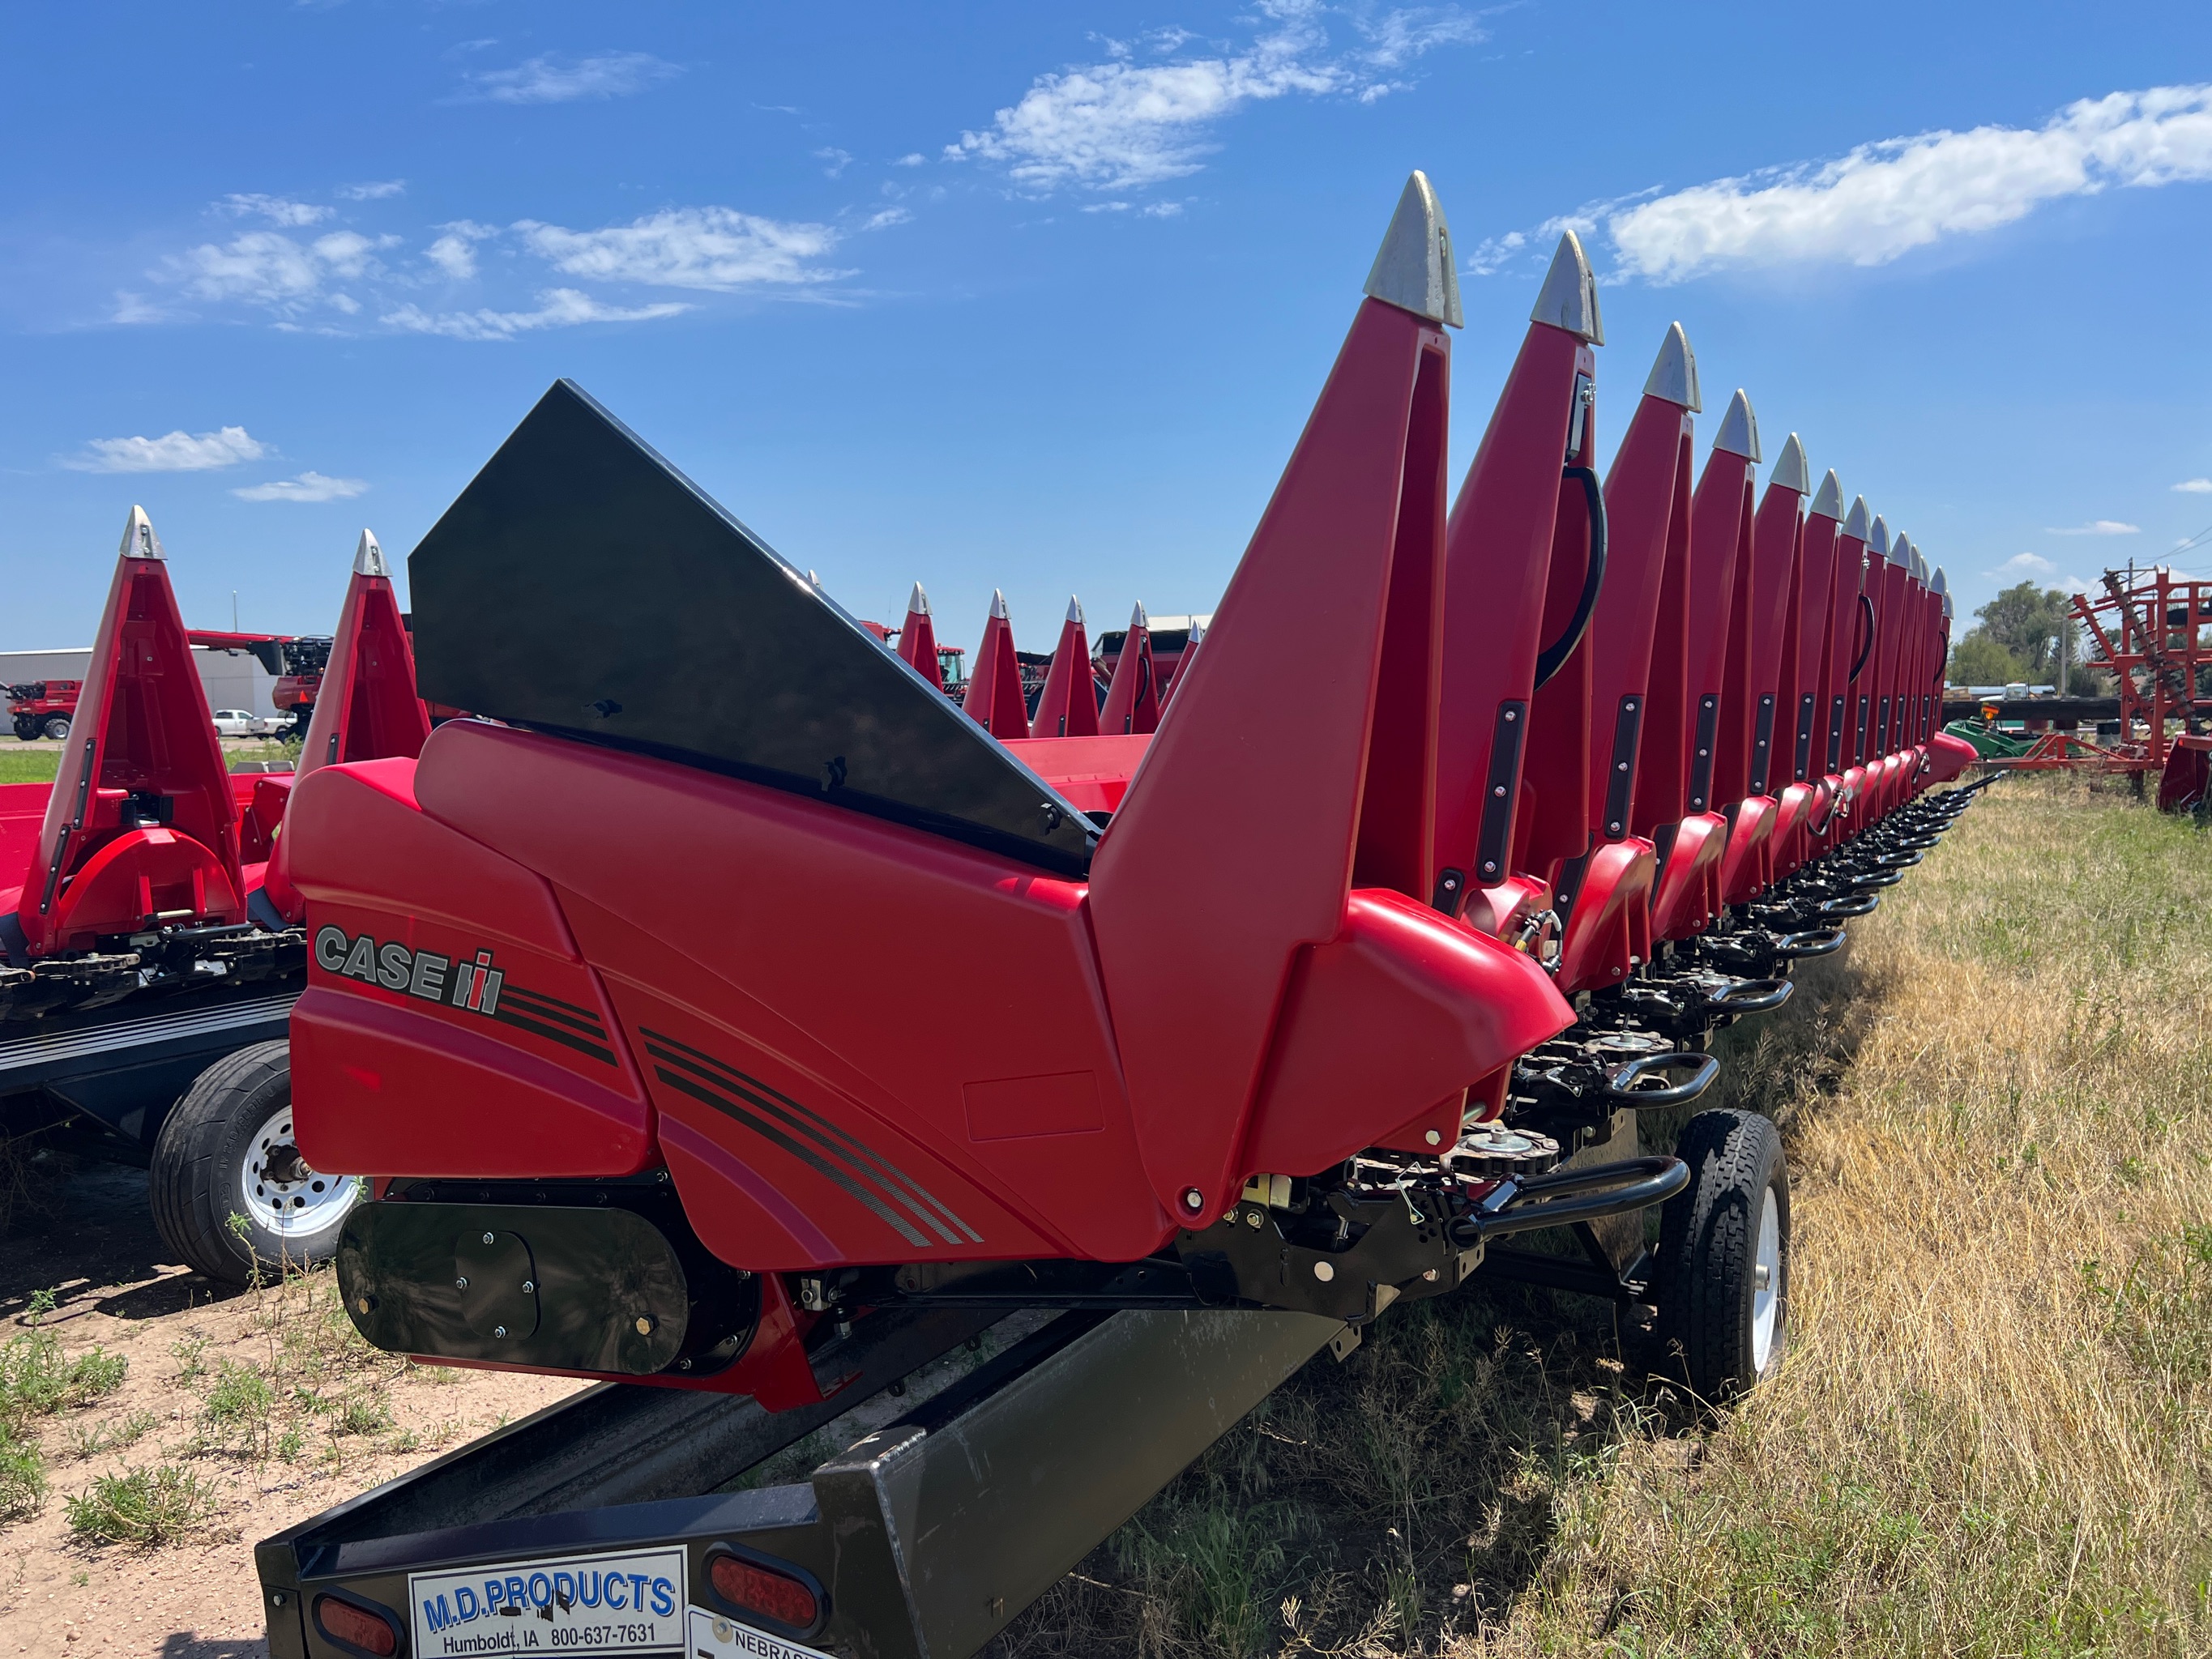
<point x="1553" y="657"/>
<point x="1866" y="615"/>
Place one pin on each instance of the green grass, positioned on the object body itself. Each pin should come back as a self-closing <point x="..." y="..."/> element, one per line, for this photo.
<point x="29" y="765"/>
<point x="146" y="1507"/>
<point x="22" y="764"/>
<point x="1991" y="1435"/>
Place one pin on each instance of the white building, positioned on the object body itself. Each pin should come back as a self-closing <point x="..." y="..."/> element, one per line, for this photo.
<point x="232" y="679"/>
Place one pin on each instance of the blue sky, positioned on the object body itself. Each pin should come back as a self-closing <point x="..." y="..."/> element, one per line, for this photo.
<point x="1037" y="297"/>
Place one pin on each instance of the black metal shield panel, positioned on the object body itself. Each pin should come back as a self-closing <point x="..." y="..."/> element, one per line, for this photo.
<point x="583" y="586"/>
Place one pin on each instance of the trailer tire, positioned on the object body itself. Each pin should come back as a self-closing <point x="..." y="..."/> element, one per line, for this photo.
<point x="212" y="1162"/>
<point x="1724" y="1279"/>
<point x="57" y="726"/>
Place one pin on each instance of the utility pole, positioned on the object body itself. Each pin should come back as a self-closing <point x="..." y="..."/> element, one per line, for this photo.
<point x="2065" y="638"/>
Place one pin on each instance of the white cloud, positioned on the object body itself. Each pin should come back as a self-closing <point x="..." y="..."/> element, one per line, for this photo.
<point x="376" y="191"/>
<point x="914" y="160"/>
<point x="838" y="160"/>
<point x="1398" y="37"/>
<point x="346" y="253"/>
<point x="2195" y="486"/>
<point x="136" y="308"/>
<point x="1884" y="199"/>
<point x="714" y="248"/>
<point x="275" y="209"/>
<point x="264" y="267"/>
<point x="2096" y="527"/>
<point x="884" y="217"/>
<point x="260" y="266"/>
<point x="1122" y="124"/>
<point x="559" y="308"/>
<point x="550" y="80"/>
<point x="454" y="253"/>
<point x="2033" y="566"/>
<point x="309" y="486"/>
<point x="176" y="451"/>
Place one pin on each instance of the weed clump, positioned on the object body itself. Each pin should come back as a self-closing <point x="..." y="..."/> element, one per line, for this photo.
<point x="37" y="1379"/>
<point x="22" y="1477"/>
<point x="147" y="1507"/>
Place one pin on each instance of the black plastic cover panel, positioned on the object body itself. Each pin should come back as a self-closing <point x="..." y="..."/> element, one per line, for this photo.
<point x="582" y="584"/>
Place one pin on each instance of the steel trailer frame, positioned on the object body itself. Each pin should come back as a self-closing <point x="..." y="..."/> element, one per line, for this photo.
<point x="921" y="1539"/>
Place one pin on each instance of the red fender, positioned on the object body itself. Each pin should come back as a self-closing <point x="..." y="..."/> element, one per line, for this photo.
<point x="1799" y="806"/>
<point x="1504" y="909"/>
<point x="1609" y="932"/>
<point x="1401" y="1005"/>
<point x="1948" y="757"/>
<point x="1746" y="866"/>
<point x="1689" y="891"/>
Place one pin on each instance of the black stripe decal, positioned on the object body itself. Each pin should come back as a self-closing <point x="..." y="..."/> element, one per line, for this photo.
<point x="763" y="1099"/>
<point x="900" y="1185"/>
<point x="589" y="1025"/>
<point x="834" y="1139"/>
<point x="729" y="1109"/>
<point x="552" y="1002"/>
<point x="506" y="1016"/>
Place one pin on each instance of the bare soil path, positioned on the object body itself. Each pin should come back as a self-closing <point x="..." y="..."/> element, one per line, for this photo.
<point x="239" y="1413"/>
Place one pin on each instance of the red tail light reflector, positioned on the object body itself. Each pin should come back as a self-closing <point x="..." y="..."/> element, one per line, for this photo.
<point x="752" y="1586"/>
<point x="358" y="1628"/>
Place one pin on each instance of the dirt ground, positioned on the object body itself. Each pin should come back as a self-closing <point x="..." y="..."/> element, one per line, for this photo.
<point x="265" y="1404"/>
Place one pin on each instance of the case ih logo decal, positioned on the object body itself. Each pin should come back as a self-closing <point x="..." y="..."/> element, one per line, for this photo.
<point x="471" y="984"/>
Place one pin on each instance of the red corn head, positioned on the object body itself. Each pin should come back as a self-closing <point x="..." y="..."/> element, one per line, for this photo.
<point x="917" y="646"/>
<point x="141" y="830"/>
<point x="994" y="696"/>
<point x="1132" y="700"/>
<point x="1068" y="707"/>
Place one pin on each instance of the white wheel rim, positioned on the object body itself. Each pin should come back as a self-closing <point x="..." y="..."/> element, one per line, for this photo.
<point x="295" y="1209"/>
<point x="1766" y="1284"/>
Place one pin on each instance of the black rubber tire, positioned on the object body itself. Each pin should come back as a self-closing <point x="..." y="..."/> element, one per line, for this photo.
<point x="195" y="1182"/>
<point x="1708" y="1246"/>
<point x="57" y="726"/>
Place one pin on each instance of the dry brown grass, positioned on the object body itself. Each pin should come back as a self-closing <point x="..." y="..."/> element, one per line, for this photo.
<point x="1993" y="1432"/>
